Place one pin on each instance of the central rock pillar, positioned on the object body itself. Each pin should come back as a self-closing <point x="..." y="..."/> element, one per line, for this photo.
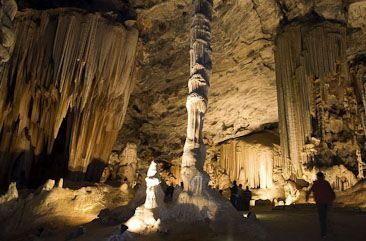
<point x="200" y="72"/>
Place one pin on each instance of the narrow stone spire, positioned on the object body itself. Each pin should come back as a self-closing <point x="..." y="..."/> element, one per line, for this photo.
<point x="200" y="72"/>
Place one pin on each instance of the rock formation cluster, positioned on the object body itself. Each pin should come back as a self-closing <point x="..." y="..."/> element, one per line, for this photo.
<point x="316" y="97"/>
<point x="67" y="85"/>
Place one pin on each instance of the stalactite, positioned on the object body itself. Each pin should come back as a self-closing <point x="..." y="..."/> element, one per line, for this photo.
<point x="65" y="63"/>
<point x="247" y="163"/>
<point x="315" y="95"/>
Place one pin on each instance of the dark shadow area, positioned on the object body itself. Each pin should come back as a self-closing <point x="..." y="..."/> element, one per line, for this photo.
<point x="121" y="8"/>
<point x="95" y="170"/>
<point x="53" y="165"/>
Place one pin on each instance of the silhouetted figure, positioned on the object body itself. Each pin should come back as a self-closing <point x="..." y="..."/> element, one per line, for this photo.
<point x="240" y="199"/>
<point x="324" y="197"/>
<point x="247" y="196"/>
<point x="234" y="193"/>
<point x="169" y="193"/>
<point x="182" y="185"/>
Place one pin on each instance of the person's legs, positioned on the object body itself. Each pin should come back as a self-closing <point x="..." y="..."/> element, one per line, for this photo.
<point x="322" y="211"/>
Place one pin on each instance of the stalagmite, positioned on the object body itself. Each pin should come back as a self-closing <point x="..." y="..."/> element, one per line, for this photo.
<point x="144" y="221"/>
<point x="200" y="70"/>
<point x="316" y="98"/>
<point x="71" y="67"/>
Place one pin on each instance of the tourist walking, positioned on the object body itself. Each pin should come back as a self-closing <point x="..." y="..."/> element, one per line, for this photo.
<point x="324" y="197"/>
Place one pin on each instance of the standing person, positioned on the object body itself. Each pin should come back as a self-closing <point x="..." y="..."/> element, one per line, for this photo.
<point x="247" y="196"/>
<point x="233" y="193"/>
<point x="240" y="199"/>
<point x="324" y="197"/>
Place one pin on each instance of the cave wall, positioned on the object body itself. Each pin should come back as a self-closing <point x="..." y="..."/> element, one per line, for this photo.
<point x="319" y="119"/>
<point x="70" y="64"/>
<point x="8" y="9"/>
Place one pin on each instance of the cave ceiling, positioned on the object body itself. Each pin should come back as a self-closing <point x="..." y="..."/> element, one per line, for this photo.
<point x="242" y="96"/>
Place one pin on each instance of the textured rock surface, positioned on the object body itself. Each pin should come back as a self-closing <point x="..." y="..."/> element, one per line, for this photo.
<point x="68" y="83"/>
<point x="242" y="92"/>
<point x="316" y="96"/>
<point x="8" y="9"/>
<point x="55" y="208"/>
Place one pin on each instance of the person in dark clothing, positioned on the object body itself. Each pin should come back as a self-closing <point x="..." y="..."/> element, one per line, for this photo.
<point x="233" y="193"/>
<point x="324" y="197"/>
<point x="240" y="199"/>
<point x="169" y="193"/>
<point x="247" y="196"/>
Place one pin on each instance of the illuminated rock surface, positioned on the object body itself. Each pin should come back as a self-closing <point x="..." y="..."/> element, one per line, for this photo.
<point x="65" y="96"/>
<point x="71" y="69"/>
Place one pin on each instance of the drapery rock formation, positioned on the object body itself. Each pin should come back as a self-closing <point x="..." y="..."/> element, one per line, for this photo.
<point x="251" y="160"/>
<point x="65" y="89"/>
<point x="316" y="98"/>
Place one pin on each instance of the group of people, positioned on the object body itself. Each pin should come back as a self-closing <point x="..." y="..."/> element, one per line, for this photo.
<point x="240" y="198"/>
<point x="323" y="196"/>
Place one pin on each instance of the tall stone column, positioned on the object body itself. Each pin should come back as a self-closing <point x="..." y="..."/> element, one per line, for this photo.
<point x="198" y="85"/>
<point x="316" y="98"/>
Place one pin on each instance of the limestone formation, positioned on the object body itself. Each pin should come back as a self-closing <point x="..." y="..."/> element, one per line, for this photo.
<point x="143" y="221"/>
<point x="316" y="98"/>
<point x="194" y="152"/>
<point x="250" y="160"/>
<point x="36" y="210"/>
<point x="68" y="83"/>
<point x="122" y="166"/>
<point x="8" y="10"/>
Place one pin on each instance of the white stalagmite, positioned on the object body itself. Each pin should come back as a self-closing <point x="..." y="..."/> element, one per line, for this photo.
<point x="143" y="221"/>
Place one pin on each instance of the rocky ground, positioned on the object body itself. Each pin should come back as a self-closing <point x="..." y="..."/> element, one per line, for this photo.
<point x="293" y="223"/>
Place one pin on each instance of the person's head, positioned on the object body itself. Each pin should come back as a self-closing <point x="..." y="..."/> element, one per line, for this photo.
<point x="320" y="176"/>
<point x="234" y="182"/>
<point x="171" y="184"/>
<point x="220" y="191"/>
<point x="247" y="188"/>
<point x="125" y="179"/>
<point x="123" y="228"/>
<point x="240" y="185"/>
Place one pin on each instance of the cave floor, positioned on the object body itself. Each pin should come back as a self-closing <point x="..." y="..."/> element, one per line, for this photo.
<point x="298" y="223"/>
